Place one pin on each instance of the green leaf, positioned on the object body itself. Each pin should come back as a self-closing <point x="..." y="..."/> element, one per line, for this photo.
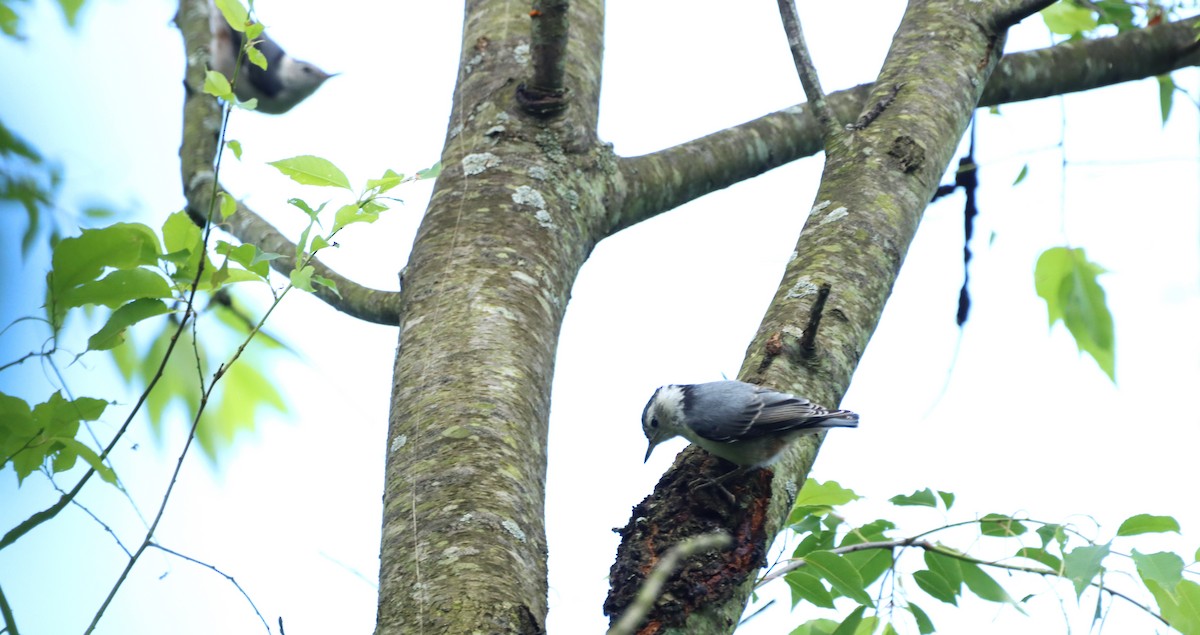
<point x="817" y="498"/>
<point x="311" y="170"/>
<point x="924" y="624"/>
<point x="1083" y="564"/>
<point x="327" y="283"/>
<point x="217" y="85"/>
<point x="806" y="586"/>
<point x="1022" y="174"/>
<point x="113" y="331"/>
<point x="10" y="23"/>
<point x="842" y="575"/>
<point x="1166" y="95"/>
<point x="82" y="259"/>
<point x="119" y="246"/>
<point x="432" y="172"/>
<point x="235" y="13"/>
<point x="984" y="586"/>
<point x="256" y="57"/>
<point x="389" y="180"/>
<point x="304" y="207"/>
<point x="849" y="626"/>
<point x="919" y="498"/>
<point x="1065" y="18"/>
<point x="816" y="627"/>
<point x="871" y="563"/>
<point x="184" y="243"/>
<point x="302" y="278"/>
<point x="937" y="587"/>
<point x="1052" y="533"/>
<point x="227" y="206"/>
<point x="945" y="566"/>
<point x="1000" y="526"/>
<point x="818" y="540"/>
<point x="947" y="499"/>
<point x="70" y="9"/>
<point x="1066" y="280"/>
<point x="116" y="289"/>
<point x="236" y="147"/>
<point x="1147" y="524"/>
<point x="1186" y="616"/>
<point x="353" y="213"/>
<point x="827" y="494"/>
<point x="1164" y="568"/>
<point x="73" y="448"/>
<point x="1042" y="556"/>
<point x="241" y="396"/>
<point x="1179" y="606"/>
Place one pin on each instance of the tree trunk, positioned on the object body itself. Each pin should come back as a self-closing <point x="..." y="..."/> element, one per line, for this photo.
<point x="517" y="209"/>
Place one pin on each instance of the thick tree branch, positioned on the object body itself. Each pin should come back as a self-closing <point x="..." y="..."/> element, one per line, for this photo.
<point x="664" y="180"/>
<point x="201" y="127"/>
<point x="545" y="94"/>
<point x="1009" y="12"/>
<point x="805" y="69"/>
<point x="875" y="186"/>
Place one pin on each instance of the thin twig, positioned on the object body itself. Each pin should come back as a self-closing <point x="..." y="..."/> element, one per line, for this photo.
<point x="806" y="70"/>
<point x="657" y="577"/>
<point x="204" y="397"/>
<point x="218" y="572"/>
<point x="96" y="518"/>
<point x="10" y="622"/>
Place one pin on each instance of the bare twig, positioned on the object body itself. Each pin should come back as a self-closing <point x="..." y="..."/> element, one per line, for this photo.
<point x="667" y="565"/>
<point x="806" y="70"/>
<point x="218" y="572"/>
<point x="204" y="397"/>
<point x="96" y="518"/>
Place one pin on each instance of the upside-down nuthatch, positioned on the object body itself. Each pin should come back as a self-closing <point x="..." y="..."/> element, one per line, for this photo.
<point x="284" y="83"/>
<point x="742" y="423"/>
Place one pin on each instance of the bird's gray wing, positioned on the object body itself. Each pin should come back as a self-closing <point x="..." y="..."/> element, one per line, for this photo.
<point x="736" y="411"/>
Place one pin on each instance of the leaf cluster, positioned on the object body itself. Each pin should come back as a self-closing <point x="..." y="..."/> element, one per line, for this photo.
<point x="835" y="560"/>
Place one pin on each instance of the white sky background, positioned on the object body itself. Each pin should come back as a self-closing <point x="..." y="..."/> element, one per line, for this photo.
<point x="1026" y="425"/>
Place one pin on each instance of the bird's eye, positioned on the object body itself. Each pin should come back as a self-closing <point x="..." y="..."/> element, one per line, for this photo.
<point x="654" y="422"/>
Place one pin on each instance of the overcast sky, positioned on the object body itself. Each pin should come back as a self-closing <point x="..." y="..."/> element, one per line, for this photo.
<point x="1017" y="422"/>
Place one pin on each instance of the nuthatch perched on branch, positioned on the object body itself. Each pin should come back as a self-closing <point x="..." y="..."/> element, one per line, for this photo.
<point x="742" y="423"/>
<point x="284" y="83"/>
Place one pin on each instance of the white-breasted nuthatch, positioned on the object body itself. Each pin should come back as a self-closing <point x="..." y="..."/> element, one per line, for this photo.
<point x="284" y="83"/>
<point x="742" y="423"/>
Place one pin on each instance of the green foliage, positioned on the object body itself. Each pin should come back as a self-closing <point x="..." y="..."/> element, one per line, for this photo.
<point x="33" y="437"/>
<point x="820" y="572"/>
<point x="1022" y="174"/>
<point x="30" y="181"/>
<point x="1166" y="96"/>
<point x="310" y="170"/>
<point x="923" y="498"/>
<point x="1066" y="280"/>
<point x="1066" y="18"/>
<point x="1147" y="524"/>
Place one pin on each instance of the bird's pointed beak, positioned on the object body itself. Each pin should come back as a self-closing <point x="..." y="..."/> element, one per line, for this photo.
<point x="653" y="442"/>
